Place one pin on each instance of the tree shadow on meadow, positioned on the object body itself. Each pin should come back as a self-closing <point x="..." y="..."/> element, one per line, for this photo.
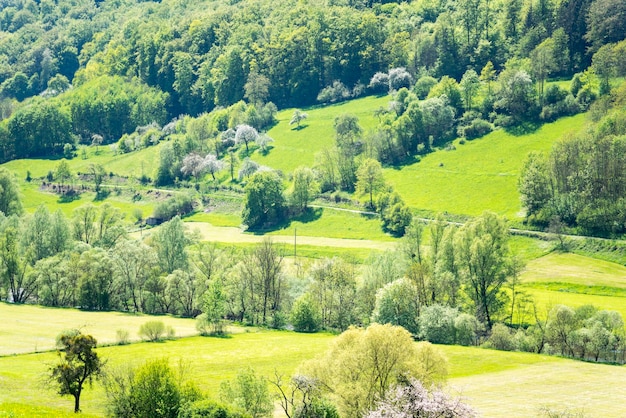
<point x="300" y="127"/>
<point x="309" y="215"/>
<point x="524" y="128"/>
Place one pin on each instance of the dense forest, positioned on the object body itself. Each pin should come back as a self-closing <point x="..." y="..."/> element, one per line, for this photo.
<point x="74" y="71"/>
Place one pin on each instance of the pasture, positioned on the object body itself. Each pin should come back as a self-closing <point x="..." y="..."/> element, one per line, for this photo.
<point x="477" y="176"/>
<point x="294" y="146"/>
<point x="575" y="280"/>
<point x="495" y="383"/>
<point x="31" y="328"/>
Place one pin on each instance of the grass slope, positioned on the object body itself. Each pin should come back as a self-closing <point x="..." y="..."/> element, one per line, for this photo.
<point x="295" y="147"/>
<point x="575" y="280"/>
<point x="521" y="384"/>
<point x="496" y="383"/>
<point x="209" y="361"/>
<point x="30" y="328"/>
<point x="479" y="175"/>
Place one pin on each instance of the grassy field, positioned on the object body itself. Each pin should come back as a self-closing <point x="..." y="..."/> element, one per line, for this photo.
<point x="133" y="164"/>
<point x="575" y="280"/>
<point x="479" y="175"/>
<point x="294" y="147"/>
<point x="495" y="383"/>
<point x="528" y="382"/>
<point x="30" y="328"/>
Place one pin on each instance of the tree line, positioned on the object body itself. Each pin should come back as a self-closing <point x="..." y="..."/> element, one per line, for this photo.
<point x="177" y="60"/>
<point x="579" y="184"/>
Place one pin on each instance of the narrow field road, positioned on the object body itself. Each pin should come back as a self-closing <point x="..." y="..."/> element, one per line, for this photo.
<point x="234" y="235"/>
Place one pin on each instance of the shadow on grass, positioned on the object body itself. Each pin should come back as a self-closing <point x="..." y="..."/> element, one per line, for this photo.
<point x="101" y="195"/>
<point x="523" y="128"/>
<point x="300" y="127"/>
<point x="68" y="198"/>
<point x="310" y="215"/>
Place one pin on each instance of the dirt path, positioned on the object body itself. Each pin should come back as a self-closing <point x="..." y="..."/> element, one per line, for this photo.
<point x="209" y="232"/>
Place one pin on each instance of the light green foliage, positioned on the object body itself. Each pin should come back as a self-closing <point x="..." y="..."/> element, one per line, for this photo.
<point x="333" y="290"/>
<point x="10" y="199"/>
<point x="534" y="185"/>
<point x="369" y="179"/>
<point x="150" y="390"/>
<point x="153" y="331"/>
<point x="436" y="324"/>
<point x="362" y="365"/>
<point x="260" y="288"/>
<point x="134" y="264"/>
<point x="96" y="286"/>
<point x="305" y="188"/>
<point x="484" y="259"/>
<point x="170" y="242"/>
<point x="214" y="308"/>
<point x="305" y="315"/>
<point x="249" y="393"/>
<point x="62" y="172"/>
<point x="397" y="304"/>
<point x="450" y="88"/>
<point x="18" y="284"/>
<point x="470" y="84"/>
<point x="379" y="270"/>
<point x="184" y="291"/>
<point x="298" y="117"/>
<point x="207" y="408"/>
<point x="263" y="202"/>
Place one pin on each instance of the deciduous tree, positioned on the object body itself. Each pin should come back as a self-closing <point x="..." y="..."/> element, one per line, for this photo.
<point x="78" y="364"/>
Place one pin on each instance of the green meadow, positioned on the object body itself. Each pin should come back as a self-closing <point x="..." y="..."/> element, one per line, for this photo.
<point x="525" y="382"/>
<point x="294" y="146"/>
<point x="576" y="280"/>
<point x="478" y="175"/>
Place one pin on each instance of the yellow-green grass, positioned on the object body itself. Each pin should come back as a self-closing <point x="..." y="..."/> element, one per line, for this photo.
<point x="130" y="164"/>
<point x="479" y="175"/>
<point x="334" y="223"/>
<point x="33" y="197"/>
<point x="545" y="298"/>
<point x="527" y="248"/>
<point x="216" y="218"/>
<point x="319" y="222"/>
<point x="575" y="269"/>
<point x="576" y="280"/>
<point x="209" y="361"/>
<point x="208" y="232"/>
<point x="307" y="254"/>
<point x="29" y="328"/>
<point x="495" y="383"/>
<point x="294" y="147"/>
<point x="520" y="385"/>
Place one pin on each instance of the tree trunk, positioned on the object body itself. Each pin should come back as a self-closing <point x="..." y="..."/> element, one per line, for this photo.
<point x="77" y="402"/>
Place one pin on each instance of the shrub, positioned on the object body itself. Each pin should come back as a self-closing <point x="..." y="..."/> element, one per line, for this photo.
<point x="151" y="390"/>
<point x="467" y="329"/>
<point x="122" y="337"/>
<point x="305" y="316"/>
<point x="379" y="82"/>
<point x="399" y="77"/>
<point x="436" y="324"/>
<point x="179" y="205"/>
<point x="335" y="93"/>
<point x="501" y="338"/>
<point x="207" y="408"/>
<point x="477" y="128"/>
<point x="554" y="94"/>
<point x="153" y="330"/>
<point x="319" y="408"/>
